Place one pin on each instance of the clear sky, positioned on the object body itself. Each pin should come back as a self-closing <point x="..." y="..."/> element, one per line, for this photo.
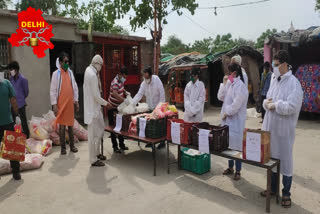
<point x="247" y="21"/>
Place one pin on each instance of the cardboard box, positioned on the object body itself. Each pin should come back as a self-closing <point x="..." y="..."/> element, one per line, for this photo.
<point x="257" y="140"/>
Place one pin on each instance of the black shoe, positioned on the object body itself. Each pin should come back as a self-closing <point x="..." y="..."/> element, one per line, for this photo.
<point x="63" y="151"/>
<point x="101" y="157"/>
<point x="116" y="150"/>
<point x="98" y="163"/>
<point x="124" y="147"/>
<point x="149" y="145"/>
<point x="161" y="145"/>
<point x="16" y="176"/>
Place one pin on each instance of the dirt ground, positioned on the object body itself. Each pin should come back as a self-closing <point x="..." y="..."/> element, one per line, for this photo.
<point x="69" y="185"/>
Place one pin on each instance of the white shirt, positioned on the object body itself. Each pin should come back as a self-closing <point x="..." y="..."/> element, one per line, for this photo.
<point x="234" y="97"/>
<point x="55" y="86"/>
<point x="91" y="95"/>
<point x="245" y="77"/>
<point x="281" y="122"/>
<point x="153" y="91"/>
<point x="194" y="99"/>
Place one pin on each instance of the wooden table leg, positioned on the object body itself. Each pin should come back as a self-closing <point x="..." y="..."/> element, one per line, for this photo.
<point x="278" y="183"/>
<point x="268" y="190"/>
<point x="168" y="158"/>
<point x="179" y="157"/>
<point x="102" y="146"/>
<point x="154" y="159"/>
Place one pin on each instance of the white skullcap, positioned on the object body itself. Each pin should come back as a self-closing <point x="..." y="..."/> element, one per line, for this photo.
<point x="97" y="59"/>
<point x="237" y="59"/>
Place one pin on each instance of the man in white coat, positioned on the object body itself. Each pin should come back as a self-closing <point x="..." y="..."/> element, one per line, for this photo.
<point x="152" y="89"/>
<point x="92" y="110"/>
<point x="194" y="98"/>
<point x="234" y="95"/>
<point x="237" y="59"/>
<point x="283" y="105"/>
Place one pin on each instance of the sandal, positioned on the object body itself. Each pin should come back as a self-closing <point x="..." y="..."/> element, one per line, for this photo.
<point x="286" y="202"/>
<point x="264" y="193"/>
<point x="98" y="163"/>
<point x="237" y="176"/>
<point x="228" y="172"/>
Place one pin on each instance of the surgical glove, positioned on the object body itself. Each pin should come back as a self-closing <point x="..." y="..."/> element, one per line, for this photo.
<point x="127" y="102"/>
<point x="271" y="106"/>
<point x="128" y="93"/>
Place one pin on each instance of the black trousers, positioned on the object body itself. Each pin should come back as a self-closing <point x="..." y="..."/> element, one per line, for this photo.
<point x="15" y="165"/>
<point x="24" y="121"/>
<point x="114" y="136"/>
<point x="263" y="111"/>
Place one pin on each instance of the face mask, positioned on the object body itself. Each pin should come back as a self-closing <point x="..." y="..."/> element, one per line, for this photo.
<point x="276" y="72"/>
<point x="1" y="76"/>
<point x="231" y="78"/>
<point x="13" y="73"/>
<point x="98" y="67"/>
<point x="65" y="66"/>
<point x="147" y="80"/>
<point x="192" y="79"/>
<point x="123" y="79"/>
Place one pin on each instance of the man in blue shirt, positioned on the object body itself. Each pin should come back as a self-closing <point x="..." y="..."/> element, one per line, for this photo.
<point x="265" y="84"/>
<point x="21" y="87"/>
<point x="8" y="99"/>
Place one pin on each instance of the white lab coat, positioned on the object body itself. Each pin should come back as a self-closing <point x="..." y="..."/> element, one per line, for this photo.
<point x="245" y="77"/>
<point x="56" y="82"/>
<point x="154" y="92"/>
<point x="92" y="112"/>
<point x="194" y="99"/>
<point x="281" y="122"/>
<point x="91" y="95"/>
<point x="234" y="97"/>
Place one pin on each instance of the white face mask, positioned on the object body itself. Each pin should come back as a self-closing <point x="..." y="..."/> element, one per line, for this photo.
<point x="1" y="76"/>
<point x="276" y="72"/>
<point x="13" y="73"/>
<point x="147" y="80"/>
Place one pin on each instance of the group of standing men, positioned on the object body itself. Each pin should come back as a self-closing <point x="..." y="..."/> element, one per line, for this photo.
<point x="281" y="98"/>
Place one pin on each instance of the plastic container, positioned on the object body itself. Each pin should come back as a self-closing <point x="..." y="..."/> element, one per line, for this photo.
<point x="185" y="129"/>
<point x="198" y="164"/>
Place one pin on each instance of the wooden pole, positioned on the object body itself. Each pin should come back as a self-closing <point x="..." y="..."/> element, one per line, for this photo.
<point x="155" y="69"/>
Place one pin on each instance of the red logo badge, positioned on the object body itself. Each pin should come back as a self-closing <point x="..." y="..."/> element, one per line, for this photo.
<point x="33" y="31"/>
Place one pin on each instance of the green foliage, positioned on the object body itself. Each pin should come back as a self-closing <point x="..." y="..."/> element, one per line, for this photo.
<point x="4" y="4"/>
<point x="144" y="10"/>
<point x="264" y="35"/>
<point x="49" y="7"/>
<point x="174" y="46"/>
<point x="318" y="5"/>
<point x="100" y="12"/>
<point x="203" y="46"/>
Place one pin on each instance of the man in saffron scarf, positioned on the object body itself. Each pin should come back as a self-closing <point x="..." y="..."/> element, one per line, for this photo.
<point x="64" y="97"/>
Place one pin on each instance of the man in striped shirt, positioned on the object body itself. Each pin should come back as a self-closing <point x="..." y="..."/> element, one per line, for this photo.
<point x="116" y="97"/>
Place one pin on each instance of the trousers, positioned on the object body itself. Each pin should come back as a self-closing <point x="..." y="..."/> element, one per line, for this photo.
<point x="95" y="134"/>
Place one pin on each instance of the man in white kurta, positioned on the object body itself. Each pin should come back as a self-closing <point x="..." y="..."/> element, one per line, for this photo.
<point x="152" y="89"/>
<point x="194" y="98"/>
<point x="92" y="110"/>
<point x="234" y="95"/>
<point x="283" y="105"/>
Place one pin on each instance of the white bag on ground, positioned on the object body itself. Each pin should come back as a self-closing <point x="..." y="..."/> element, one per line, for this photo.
<point x="37" y="130"/>
<point x="39" y="147"/>
<point x="32" y="161"/>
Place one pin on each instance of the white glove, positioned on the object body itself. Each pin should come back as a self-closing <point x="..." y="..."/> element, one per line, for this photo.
<point x="127" y="102"/>
<point x="18" y="121"/>
<point x="128" y="93"/>
<point x="225" y="80"/>
<point x="271" y="106"/>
